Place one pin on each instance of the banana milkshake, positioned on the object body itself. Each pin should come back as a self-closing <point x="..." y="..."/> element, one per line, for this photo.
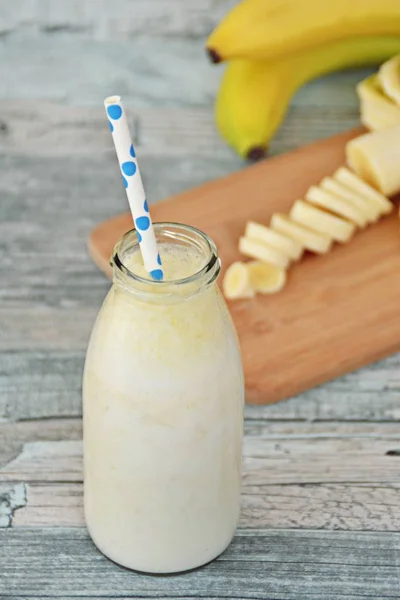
<point x="163" y="402"/>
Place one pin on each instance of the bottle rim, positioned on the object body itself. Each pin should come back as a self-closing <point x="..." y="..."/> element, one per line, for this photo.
<point x="168" y="231"/>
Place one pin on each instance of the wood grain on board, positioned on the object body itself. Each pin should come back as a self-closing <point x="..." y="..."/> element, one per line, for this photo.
<point x="337" y="313"/>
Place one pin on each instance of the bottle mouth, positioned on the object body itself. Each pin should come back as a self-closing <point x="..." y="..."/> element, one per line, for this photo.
<point x="171" y="233"/>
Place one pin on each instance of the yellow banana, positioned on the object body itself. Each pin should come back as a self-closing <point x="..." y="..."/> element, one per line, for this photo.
<point x="254" y="95"/>
<point x="269" y="29"/>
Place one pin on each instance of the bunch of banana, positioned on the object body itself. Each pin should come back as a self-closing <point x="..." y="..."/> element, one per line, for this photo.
<point x="331" y="212"/>
<point x="275" y="46"/>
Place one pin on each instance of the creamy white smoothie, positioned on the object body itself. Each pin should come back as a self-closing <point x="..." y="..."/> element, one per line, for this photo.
<point x="163" y="401"/>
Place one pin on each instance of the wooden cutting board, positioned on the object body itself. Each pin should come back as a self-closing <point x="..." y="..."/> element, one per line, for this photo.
<point x="337" y="312"/>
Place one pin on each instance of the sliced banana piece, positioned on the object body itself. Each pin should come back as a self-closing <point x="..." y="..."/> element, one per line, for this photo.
<point x="261" y="251"/>
<point x="375" y="118"/>
<point x="281" y="242"/>
<point x="313" y="241"/>
<point x="266" y="278"/>
<point x="375" y="157"/>
<point x="368" y="209"/>
<point x="377" y="110"/>
<point x="352" y="181"/>
<point x="321" y="221"/>
<point x="236" y="283"/>
<point x="336" y="205"/>
<point x="389" y="78"/>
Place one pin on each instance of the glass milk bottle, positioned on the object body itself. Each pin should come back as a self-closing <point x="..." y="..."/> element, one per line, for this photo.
<point x="163" y="410"/>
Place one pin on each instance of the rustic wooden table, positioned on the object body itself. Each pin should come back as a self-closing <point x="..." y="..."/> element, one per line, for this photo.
<point x="321" y="493"/>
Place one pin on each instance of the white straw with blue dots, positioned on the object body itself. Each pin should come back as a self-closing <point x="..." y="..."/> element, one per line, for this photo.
<point x="134" y="186"/>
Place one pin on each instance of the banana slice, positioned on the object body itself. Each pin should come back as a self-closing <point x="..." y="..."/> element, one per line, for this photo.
<point x="354" y="183"/>
<point x="389" y="78"/>
<point x="375" y="119"/>
<point x="265" y="278"/>
<point x="261" y="251"/>
<point x="313" y="241"/>
<point x="281" y="242"/>
<point x="236" y="283"/>
<point x="375" y="157"/>
<point x="321" y="221"/>
<point x="336" y="205"/>
<point x="368" y="209"/>
<point x="377" y="110"/>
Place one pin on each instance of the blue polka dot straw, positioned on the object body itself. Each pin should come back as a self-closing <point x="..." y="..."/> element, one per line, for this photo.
<point x="133" y="186"/>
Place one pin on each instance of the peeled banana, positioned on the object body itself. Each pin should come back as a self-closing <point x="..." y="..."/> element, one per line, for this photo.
<point x="357" y="185"/>
<point x="270" y="29"/>
<point x="376" y="110"/>
<point x="310" y="239"/>
<point x="363" y="205"/>
<point x="261" y="251"/>
<point x="336" y="205"/>
<point x="321" y="221"/>
<point x="242" y="280"/>
<point x="375" y="157"/>
<point x="254" y="95"/>
<point x="284" y="244"/>
<point x="389" y="78"/>
<point x="330" y="212"/>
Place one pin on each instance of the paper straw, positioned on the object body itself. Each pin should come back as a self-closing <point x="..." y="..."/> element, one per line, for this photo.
<point x="134" y="186"/>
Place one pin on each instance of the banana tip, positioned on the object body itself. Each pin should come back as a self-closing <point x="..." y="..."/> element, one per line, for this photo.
<point x="213" y="56"/>
<point x="256" y="153"/>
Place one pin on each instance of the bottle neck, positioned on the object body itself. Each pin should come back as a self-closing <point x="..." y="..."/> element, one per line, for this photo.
<point x="181" y="281"/>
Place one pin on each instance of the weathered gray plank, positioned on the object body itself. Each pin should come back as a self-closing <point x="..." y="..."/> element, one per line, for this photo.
<point x="157" y="131"/>
<point x="80" y="131"/>
<point x="148" y="70"/>
<point x="34" y="385"/>
<point x="47" y="384"/>
<point x="13" y="435"/>
<point x="12" y="497"/>
<point x="101" y="20"/>
<point x="285" y="565"/>
<point x="369" y="394"/>
<point x="269" y="458"/>
<point x="275" y="453"/>
<point x="85" y="193"/>
<point x="46" y="461"/>
<point x="347" y="507"/>
<point x="333" y="476"/>
<point x="72" y="200"/>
